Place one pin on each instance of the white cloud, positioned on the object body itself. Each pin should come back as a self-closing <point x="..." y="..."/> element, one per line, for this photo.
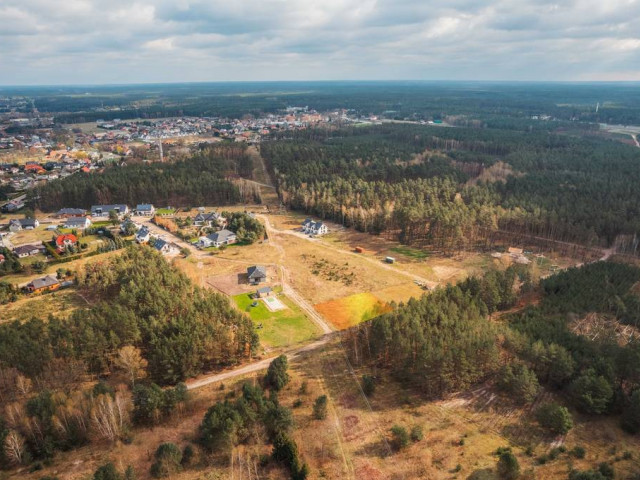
<point x="87" y="41"/>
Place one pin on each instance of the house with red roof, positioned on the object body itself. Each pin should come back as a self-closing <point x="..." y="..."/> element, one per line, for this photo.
<point x="62" y="242"/>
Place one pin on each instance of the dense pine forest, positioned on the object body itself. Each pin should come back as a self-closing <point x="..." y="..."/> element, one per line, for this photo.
<point x="449" y="186"/>
<point x="199" y="180"/>
<point x="446" y="342"/>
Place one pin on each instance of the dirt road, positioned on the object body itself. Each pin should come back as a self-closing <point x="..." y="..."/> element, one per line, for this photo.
<point x="253" y="367"/>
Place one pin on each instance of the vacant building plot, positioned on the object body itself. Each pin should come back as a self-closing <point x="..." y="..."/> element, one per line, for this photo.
<point x="237" y="282"/>
<point x="61" y="304"/>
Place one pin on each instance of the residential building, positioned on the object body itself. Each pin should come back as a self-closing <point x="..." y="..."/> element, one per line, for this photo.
<point x="104" y="210"/>
<point x="314" y="228"/>
<point x="16" y="225"/>
<point x="23" y="251"/>
<point x="213" y="219"/>
<point x="143" y="235"/>
<point x="166" y="248"/>
<point x="71" y="212"/>
<point x="78" y="223"/>
<point x="124" y="226"/>
<point x="223" y="237"/>
<point x="257" y="274"/>
<point x="43" y="284"/>
<point x="63" y="242"/>
<point x="145" y="209"/>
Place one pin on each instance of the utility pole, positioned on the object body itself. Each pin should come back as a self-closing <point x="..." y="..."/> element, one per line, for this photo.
<point x="160" y="149"/>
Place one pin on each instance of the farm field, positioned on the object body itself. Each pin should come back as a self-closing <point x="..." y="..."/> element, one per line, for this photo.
<point x="281" y="328"/>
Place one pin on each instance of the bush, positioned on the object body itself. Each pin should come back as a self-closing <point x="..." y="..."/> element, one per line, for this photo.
<point x="578" y="452"/>
<point x="592" y="393"/>
<point x="631" y="415"/>
<point x="519" y="381"/>
<point x="508" y="466"/>
<point x="368" y="385"/>
<point x="320" y="408"/>
<point x="400" y="437"/>
<point x="168" y="460"/>
<point x="606" y="470"/>
<point x="187" y="455"/>
<point x="555" y="418"/>
<point x="107" y="472"/>
<point x="277" y="376"/>
<point x="416" y="433"/>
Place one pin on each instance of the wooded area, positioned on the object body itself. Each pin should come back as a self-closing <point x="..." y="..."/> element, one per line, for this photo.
<point x="436" y="185"/>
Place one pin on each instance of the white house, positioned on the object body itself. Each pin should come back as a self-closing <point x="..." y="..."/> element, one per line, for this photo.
<point x="213" y="219"/>
<point x="143" y="235"/>
<point x="23" y="224"/>
<point x="166" y="248"/>
<point x="314" y="228"/>
<point x="104" y="210"/>
<point x="223" y="237"/>
<point x="78" y="223"/>
<point x="146" y="210"/>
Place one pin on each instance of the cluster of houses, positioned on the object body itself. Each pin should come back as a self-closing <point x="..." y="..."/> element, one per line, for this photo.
<point x="143" y="236"/>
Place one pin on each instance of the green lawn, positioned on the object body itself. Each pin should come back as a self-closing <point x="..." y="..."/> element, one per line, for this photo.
<point x="410" y="252"/>
<point x="165" y="211"/>
<point x="279" y="329"/>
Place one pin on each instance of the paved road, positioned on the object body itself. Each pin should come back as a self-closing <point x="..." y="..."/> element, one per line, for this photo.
<point x="254" y="367"/>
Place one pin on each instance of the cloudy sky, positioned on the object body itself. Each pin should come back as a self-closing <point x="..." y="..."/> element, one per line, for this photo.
<point x="129" y="41"/>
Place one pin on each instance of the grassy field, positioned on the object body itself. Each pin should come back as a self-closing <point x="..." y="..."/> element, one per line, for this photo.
<point x="60" y="303"/>
<point x="413" y="253"/>
<point x="281" y="328"/>
<point x="348" y="311"/>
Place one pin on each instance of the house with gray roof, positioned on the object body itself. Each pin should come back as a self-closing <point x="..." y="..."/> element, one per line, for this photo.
<point x="104" y="210"/>
<point x="77" y="223"/>
<point x="223" y="237"/>
<point x="145" y="209"/>
<point x="166" y="248"/>
<point x="71" y="212"/>
<point x="257" y="274"/>
<point x="311" y="227"/>
<point x="16" y="225"/>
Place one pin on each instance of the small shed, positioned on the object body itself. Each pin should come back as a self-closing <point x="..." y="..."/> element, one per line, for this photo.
<point x="390" y="260"/>
<point x="264" y="292"/>
<point x="359" y="250"/>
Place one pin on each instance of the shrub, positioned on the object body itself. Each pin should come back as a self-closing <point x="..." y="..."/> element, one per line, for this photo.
<point x="508" y="466"/>
<point x="368" y="385"/>
<point x="107" y="472"/>
<point x="578" y="452"/>
<point x="631" y="414"/>
<point x="400" y="437"/>
<point x="592" y="393"/>
<point x="416" y="433"/>
<point x="519" y="381"/>
<point x="320" y="408"/>
<point x="168" y="460"/>
<point x="555" y="418"/>
<point x="187" y="455"/>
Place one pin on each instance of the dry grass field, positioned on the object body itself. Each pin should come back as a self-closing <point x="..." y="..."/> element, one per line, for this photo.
<point x="461" y="433"/>
<point x="349" y="311"/>
<point x="61" y="303"/>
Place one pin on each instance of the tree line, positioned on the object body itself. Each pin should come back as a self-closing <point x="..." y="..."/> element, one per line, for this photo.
<point x="198" y="180"/>
<point x="413" y="180"/>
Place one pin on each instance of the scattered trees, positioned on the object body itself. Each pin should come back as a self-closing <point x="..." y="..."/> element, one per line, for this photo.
<point x="555" y="418"/>
<point x="277" y="376"/>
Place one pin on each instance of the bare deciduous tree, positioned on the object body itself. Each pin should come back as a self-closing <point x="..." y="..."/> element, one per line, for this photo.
<point x="110" y="416"/>
<point x="130" y="360"/>
<point x="14" y="447"/>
